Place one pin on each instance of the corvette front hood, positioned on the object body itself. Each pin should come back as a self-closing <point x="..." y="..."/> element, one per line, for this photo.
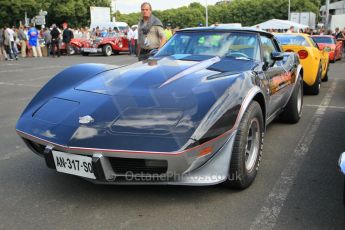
<point x="138" y="107"/>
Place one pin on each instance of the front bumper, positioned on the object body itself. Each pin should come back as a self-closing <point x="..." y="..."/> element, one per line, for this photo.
<point x="185" y="168"/>
<point x="91" y="50"/>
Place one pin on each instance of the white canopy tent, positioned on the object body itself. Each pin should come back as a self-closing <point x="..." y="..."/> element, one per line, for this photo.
<point x="280" y="24"/>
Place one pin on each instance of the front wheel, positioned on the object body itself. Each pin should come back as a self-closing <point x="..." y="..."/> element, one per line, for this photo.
<point x="247" y="149"/>
<point x="107" y="50"/>
<point x="293" y="109"/>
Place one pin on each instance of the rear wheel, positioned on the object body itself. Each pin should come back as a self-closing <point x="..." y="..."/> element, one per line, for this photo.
<point x="315" y="88"/>
<point x="71" y="50"/>
<point x="107" y="50"/>
<point x="326" y="76"/>
<point x="247" y="149"/>
<point x="293" y="110"/>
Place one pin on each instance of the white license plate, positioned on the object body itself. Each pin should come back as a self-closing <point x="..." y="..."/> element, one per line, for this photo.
<point x="90" y="50"/>
<point x="73" y="164"/>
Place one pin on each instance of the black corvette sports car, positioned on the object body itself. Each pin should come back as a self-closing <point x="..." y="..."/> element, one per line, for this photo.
<point x="195" y="113"/>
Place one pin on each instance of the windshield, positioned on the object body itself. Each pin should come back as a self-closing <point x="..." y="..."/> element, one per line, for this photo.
<point x="292" y="40"/>
<point x="223" y="44"/>
<point x="122" y="28"/>
<point x="326" y="40"/>
<point x="112" y="35"/>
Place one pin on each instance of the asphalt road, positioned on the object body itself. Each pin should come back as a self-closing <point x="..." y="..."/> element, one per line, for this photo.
<point x="298" y="185"/>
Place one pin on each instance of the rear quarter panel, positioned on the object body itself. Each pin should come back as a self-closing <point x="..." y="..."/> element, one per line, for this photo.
<point x="310" y="64"/>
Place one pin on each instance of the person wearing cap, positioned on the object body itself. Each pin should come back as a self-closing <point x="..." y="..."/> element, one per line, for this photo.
<point x="168" y="31"/>
<point x="150" y="32"/>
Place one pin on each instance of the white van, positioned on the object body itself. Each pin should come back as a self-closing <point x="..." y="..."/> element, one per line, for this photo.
<point x="121" y="26"/>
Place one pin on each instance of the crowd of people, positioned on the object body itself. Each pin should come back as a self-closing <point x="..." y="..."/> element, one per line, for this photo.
<point x="338" y="34"/>
<point x="148" y="35"/>
<point x="28" y="41"/>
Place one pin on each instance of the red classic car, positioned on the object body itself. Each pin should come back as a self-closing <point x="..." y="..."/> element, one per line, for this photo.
<point x="76" y="45"/>
<point x="336" y="47"/>
<point x="112" y="43"/>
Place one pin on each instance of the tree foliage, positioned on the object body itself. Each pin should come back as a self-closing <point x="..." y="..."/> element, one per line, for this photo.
<point x="77" y="12"/>
<point x="246" y="12"/>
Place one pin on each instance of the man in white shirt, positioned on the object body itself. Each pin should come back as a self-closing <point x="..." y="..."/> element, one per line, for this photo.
<point x="135" y="37"/>
<point x="291" y="30"/>
<point x="11" y="51"/>
<point x="130" y="38"/>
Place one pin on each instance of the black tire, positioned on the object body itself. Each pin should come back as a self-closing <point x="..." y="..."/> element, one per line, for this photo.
<point x="107" y="50"/>
<point x="247" y="149"/>
<point x="71" y="50"/>
<point x="85" y="54"/>
<point x="293" y="109"/>
<point x="344" y="193"/>
<point x="315" y="88"/>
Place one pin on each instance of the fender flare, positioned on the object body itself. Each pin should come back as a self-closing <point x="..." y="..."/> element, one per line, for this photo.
<point x="251" y="95"/>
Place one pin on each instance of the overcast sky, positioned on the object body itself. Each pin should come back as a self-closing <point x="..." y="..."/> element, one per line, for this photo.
<point x="129" y="6"/>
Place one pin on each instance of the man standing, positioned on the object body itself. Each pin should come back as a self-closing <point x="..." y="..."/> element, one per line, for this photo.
<point x="67" y="36"/>
<point x="3" y="55"/>
<point x="47" y="40"/>
<point x="130" y="39"/>
<point x="9" y="41"/>
<point x="135" y="38"/>
<point x="33" y="40"/>
<point x="168" y="31"/>
<point x="55" y="33"/>
<point x="151" y="33"/>
<point x="22" y="36"/>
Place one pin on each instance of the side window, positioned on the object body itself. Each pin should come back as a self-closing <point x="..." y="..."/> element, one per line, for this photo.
<point x="313" y="43"/>
<point x="267" y="48"/>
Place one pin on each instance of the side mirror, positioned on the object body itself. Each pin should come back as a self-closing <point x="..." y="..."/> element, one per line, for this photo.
<point x="277" y="56"/>
<point x="153" y="52"/>
<point x="327" y="49"/>
<point x="271" y="59"/>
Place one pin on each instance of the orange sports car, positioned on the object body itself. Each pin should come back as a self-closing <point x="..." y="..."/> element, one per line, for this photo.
<point x="335" y="47"/>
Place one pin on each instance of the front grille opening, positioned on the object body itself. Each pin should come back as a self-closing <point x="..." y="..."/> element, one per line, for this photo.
<point x="138" y="166"/>
<point x="35" y="147"/>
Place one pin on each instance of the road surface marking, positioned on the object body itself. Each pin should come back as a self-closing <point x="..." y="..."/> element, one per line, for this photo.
<point x="18" y="84"/>
<point x="269" y="213"/>
<point x="35" y="68"/>
<point x="328" y="107"/>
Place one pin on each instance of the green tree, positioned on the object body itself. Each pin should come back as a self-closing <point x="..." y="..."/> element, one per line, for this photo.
<point x="11" y="12"/>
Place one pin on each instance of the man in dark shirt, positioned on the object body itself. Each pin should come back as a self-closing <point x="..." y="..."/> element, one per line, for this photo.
<point x="55" y="33"/>
<point x="67" y="36"/>
<point x="339" y="35"/>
